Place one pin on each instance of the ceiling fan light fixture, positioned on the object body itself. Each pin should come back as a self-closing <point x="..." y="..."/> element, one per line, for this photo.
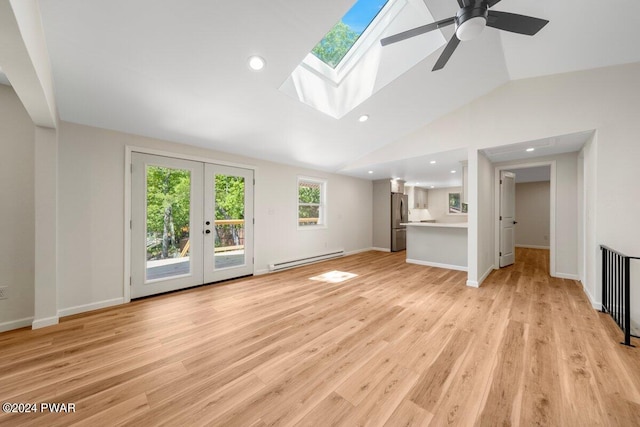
<point x="471" y="28"/>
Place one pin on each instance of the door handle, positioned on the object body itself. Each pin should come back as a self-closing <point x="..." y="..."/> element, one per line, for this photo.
<point x="207" y="231"/>
<point x="515" y="222"/>
<point x="208" y="223"/>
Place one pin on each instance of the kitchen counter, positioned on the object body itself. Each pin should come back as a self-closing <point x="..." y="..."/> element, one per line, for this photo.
<point x="437" y="244"/>
<point x="437" y="224"/>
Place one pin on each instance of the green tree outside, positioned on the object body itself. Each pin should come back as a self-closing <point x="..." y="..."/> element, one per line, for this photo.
<point x="335" y="45"/>
<point x="168" y="210"/>
<point x="308" y="202"/>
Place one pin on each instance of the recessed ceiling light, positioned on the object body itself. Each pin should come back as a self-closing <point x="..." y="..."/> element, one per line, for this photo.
<point x="363" y="118"/>
<point x="417" y="183"/>
<point x="370" y="171"/>
<point x="256" y="63"/>
<point x="433" y="162"/>
<point x="453" y="171"/>
<point x="433" y="186"/>
<point x="531" y="149"/>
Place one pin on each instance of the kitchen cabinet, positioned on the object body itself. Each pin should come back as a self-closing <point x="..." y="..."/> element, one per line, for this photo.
<point x="397" y="186"/>
<point x="420" y="198"/>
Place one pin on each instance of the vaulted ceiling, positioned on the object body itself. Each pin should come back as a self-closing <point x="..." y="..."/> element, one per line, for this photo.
<point x="177" y="70"/>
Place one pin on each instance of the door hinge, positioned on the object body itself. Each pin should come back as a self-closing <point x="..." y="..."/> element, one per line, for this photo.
<point x="130" y="281"/>
<point x="500" y="253"/>
<point x="130" y="224"/>
<point x="254" y="221"/>
<point x="131" y="167"/>
<point x="254" y="181"/>
<point x="500" y="217"/>
<point x="500" y="181"/>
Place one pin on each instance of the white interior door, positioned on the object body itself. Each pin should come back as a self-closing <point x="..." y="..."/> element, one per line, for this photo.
<point x="507" y="218"/>
<point x="228" y="220"/>
<point x="166" y="224"/>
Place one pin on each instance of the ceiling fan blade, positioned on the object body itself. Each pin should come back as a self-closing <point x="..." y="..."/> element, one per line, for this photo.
<point x="492" y="3"/>
<point x="446" y="53"/>
<point x="520" y="24"/>
<point x="416" y="31"/>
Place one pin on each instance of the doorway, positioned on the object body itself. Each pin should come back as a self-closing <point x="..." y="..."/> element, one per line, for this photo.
<point x="191" y="223"/>
<point x="532" y="227"/>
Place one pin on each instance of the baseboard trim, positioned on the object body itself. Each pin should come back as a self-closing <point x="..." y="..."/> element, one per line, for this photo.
<point x="43" y="323"/>
<point x="358" y="251"/>
<point x="381" y="249"/>
<point x="16" y="324"/>
<point x="532" y="247"/>
<point x="473" y="284"/>
<point x="566" y="276"/>
<point x="90" y="307"/>
<point x="482" y="279"/>
<point x="435" y="264"/>
<point x="596" y="305"/>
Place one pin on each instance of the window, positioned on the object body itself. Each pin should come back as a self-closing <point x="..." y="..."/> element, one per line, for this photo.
<point x="311" y="202"/>
<point x="456" y="205"/>
<point x="341" y="38"/>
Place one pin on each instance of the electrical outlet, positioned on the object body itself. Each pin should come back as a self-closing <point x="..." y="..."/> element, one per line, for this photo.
<point x="4" y="292"/>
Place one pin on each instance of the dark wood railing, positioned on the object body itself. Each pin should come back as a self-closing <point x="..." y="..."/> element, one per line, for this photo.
<point x="616" y="289"/>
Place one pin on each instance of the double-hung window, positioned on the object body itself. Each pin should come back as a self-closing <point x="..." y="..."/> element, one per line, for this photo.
<point x="311" y="202"/>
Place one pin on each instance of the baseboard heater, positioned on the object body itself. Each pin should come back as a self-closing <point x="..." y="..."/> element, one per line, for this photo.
<point x="303" y="261"/>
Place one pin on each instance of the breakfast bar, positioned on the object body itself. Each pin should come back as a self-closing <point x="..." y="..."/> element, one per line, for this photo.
<point x="437" y="244"/>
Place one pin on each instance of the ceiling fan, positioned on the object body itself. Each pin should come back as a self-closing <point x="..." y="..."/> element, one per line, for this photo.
<point x="470" y="20"/>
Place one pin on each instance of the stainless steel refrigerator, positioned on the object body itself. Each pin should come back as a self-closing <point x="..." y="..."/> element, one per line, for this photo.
<point x="399" y="214"/>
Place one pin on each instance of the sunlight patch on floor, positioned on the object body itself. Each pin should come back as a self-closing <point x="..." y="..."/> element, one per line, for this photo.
<point x="334" y="277"/>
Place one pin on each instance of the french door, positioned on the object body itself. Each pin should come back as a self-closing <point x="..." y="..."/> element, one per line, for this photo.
<point x="191" y="223"/>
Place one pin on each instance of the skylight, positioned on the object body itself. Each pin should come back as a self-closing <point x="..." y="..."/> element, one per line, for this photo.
<point x="341" y="38"/>
<point x="334" y="80"/>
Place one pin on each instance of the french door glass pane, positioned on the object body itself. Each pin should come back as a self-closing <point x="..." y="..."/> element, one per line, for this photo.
<point x="229" y="221"/>
<point x="168" y="222"/>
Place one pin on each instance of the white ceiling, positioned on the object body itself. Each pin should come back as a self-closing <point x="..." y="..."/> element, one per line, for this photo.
<point x="419" y="171"/>
<point x="533" y="174"/>
<point x="177" y="70"/>
<point x="542" y="147"/>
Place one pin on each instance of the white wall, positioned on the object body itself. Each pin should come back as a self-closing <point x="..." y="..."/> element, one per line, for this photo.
<point x="17" y="137"/>
<point x="486" y="236"/>
<point x="91" y="205"/>
<point x="438" y="204"/>
<point x="381" y="215"/>
<point x="532" y="214"/>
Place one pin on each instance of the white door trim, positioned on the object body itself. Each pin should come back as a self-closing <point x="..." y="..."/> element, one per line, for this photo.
<point x="552" y="210"/>
<point x="126" y="280"/>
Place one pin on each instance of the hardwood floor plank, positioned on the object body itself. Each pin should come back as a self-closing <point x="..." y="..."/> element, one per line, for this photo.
<point x="397" y="345"/>
<point x="332" y="411"/>
<point x="408" y="414"/>
<point x="504" y="386"/>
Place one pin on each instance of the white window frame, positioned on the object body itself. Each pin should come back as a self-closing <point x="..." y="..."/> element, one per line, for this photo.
<point x="370" y="36"/>
<point x="322" y="211"/>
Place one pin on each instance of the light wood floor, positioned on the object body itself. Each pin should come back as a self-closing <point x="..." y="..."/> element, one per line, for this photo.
<point x="397" y="345"/>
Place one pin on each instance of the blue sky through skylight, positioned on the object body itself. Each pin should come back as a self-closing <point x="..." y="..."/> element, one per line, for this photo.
<point x="362" y="13"/>
<point x="339" y="40"/>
